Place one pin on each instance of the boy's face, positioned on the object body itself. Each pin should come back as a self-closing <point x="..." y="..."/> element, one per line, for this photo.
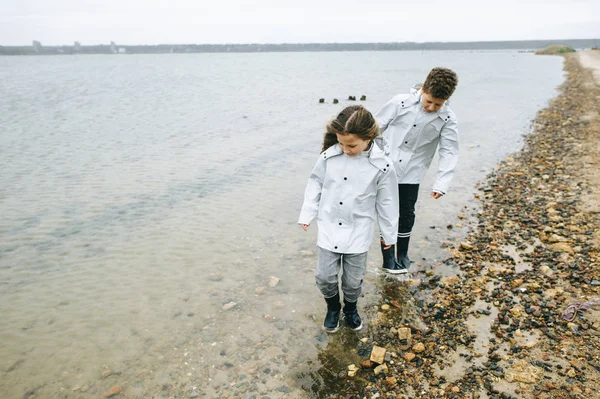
<point x="430" y="103"/>
<point x="351" y="144"/>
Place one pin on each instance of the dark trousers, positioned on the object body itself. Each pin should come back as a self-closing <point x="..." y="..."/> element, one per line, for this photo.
<point x="407" y="198"/>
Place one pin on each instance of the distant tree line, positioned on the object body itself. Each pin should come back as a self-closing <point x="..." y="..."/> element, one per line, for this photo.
<point x="38" y="49"/>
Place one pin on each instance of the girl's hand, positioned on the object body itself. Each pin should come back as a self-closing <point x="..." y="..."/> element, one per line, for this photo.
<point x="386" y="248"/>
<point x="305" y="226"/>
<point x="436" y="195"/>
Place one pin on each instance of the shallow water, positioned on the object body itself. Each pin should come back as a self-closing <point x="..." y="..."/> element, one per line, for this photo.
<point x="147" y="200"/>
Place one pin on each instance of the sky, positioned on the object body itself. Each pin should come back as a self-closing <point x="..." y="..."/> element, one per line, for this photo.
<point x="127" y="22"/>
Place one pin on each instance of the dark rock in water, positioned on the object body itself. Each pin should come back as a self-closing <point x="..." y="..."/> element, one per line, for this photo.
<point x="335" y="101"/>
<point x="363" y="98"/>
<point x="321" y="100"/>
<point x="351" y="98"/>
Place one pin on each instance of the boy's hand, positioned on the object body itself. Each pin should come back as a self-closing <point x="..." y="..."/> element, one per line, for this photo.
<point x="386" y="248"/>
<point x="305" y="226"/>
<point x="436" y="195"/>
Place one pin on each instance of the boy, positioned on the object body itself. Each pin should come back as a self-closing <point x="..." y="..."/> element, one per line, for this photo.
<point x="414" y="125"/>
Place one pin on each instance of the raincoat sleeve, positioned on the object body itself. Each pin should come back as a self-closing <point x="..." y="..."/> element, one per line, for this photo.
<point x="387" y="206"/>
<point x="387" y="113"/>
<point x="448" y="156"/>
<point x="312" y="194"/>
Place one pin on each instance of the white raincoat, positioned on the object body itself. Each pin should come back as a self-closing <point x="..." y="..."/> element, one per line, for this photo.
<point x="413" y="139"/>
<point x="346" y="194"/>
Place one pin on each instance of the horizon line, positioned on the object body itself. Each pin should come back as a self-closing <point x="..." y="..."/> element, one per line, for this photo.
<point x="298" y="43"/>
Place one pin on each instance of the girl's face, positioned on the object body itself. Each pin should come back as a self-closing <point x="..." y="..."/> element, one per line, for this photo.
<point x="351" y="144"/>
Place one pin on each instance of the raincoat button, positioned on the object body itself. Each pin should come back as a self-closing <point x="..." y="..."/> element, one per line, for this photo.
<point x="414" y="125"/>
<point x="341" y="203"/>
<point x="335" y="247"/>
<point x="345" y="178"/>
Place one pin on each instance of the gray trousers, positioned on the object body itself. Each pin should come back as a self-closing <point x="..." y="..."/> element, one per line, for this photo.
<point x="353" y="268"/>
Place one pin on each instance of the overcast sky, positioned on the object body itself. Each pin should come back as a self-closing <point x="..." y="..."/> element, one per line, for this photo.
<point x="56" y="22"/>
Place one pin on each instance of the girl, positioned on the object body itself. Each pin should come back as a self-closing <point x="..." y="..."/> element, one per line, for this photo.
<point x="352" y="183"/>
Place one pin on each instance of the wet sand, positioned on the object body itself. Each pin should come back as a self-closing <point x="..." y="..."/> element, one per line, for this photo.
<point x="496" y="327"/>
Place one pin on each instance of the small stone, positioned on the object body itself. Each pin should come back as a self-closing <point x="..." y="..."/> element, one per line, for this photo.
<point x="419" y="347"/>
<point x="366" y="364"/>
<point x="391" y="382"/>
<point x="409" y="357"/>
<point x="259" y="290"/>
<point x="352" y="369"/>
<point x="229" y="305"/>
<point x="113" y="391"/>
<point x="106" y="373"/>
<point x="273" y="281"/>
<point x="455" y="389"/>
<point x="466" y="245"/>
<point x="381" y="369"/>
<point x="571" y="373"/>
<point x="378" y="354"/>
<point x="404" y="333"/>
<point x="385" y="307"/>
<point x="215" y="277"/>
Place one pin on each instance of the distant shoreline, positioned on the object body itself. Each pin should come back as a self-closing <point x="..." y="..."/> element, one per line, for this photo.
<point x="38" y="48"/>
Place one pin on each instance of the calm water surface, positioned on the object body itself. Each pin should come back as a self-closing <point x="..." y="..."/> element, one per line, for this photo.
<point x="146" y="201"/>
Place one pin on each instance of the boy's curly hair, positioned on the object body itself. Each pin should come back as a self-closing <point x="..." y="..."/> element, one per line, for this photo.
<point x="440" y="83"/>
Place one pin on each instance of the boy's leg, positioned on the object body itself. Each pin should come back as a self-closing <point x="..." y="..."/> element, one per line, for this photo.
<point x="328" y="266"/>
<point x="407" y="198"/>
<point x="355" y="266"/>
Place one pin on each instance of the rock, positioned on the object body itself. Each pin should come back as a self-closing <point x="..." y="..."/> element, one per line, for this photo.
<point x="366" y="364"/>
<point x="523" y="371"/>
<point x="259" y="290"/>
<point x="409" y="357"/>
<point x="404" y="333"/>
<point x="418" y="347"/>
<point x="215" y="277"/>
<point x="106" y="373"/>
<point x="466" y="245"/>
<point x="383" y="368"/>
<point x="335" y="101"/>
<point x="273" y="281"/>
<point x="391" y="382"/>
<point x="378" y="354"/>
<point x="385" y="307"/>
<point x="363" y="98"/>
<point x="321" y="100"/>
<point x="352" y="369"/>
<point x="229" y="305"/>
<point x="563" y="247"/>
<point x="113" y="391"/>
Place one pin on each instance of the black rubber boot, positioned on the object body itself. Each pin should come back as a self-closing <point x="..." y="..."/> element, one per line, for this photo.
<point x="402" y="253"/>
<point x="351" y="315"/>
<point x="389" y="261"/>
<point x="332" y="318"/>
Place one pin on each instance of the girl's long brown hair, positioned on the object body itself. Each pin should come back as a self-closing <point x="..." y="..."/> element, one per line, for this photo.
<point x="354" y="119"/>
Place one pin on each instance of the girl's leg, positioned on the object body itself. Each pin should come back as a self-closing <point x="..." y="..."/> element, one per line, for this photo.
<point x="328" y="266"/>
<point x="354" y="266"/>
